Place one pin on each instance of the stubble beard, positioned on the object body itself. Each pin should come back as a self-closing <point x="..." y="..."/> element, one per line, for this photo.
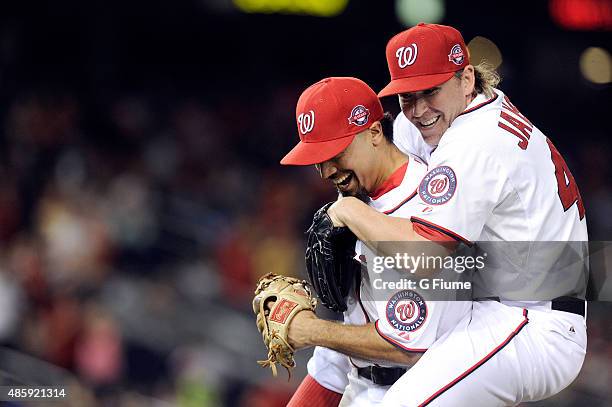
<point x="360" y="194"/>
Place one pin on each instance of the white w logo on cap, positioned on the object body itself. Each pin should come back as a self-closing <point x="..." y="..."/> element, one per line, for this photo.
<point x="306" y="122"/>
<point x="406" y="55"/>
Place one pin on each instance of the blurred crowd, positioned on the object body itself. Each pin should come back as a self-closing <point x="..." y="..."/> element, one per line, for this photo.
<point x="132" y="234"/>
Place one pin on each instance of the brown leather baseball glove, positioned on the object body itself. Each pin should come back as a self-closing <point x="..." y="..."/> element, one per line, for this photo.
<point x="289" y="296"/>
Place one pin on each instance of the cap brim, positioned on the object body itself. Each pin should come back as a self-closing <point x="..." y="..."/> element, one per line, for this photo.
<point x="414" y="84"/>
<point x="315" y="153"/>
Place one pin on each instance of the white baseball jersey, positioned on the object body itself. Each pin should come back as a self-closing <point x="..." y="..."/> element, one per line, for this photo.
<point x="494" y="177"/>
<point x="507" y="184"/>
<point x="404" y="318"/>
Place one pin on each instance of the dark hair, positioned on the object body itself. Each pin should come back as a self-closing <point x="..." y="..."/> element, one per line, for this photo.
<point x="387" y="126"/>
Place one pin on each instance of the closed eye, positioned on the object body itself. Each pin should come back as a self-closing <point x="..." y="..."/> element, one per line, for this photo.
<point x="432" y="91"/>
<point x="407" y="97"/>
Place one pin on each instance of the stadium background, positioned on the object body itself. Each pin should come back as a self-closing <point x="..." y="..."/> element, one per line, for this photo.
<point x="141" y="195"/>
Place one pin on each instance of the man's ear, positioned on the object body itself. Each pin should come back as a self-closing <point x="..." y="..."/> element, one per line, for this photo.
<point x="468" y="80"/>
<point x="376" y="133"/>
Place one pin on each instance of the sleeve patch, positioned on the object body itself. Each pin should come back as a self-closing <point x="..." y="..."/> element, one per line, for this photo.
<point x="438" y="185"/>
<point x="406" y="311"/>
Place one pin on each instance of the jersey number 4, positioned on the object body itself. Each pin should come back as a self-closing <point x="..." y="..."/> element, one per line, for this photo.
<point x="568" y="190"/>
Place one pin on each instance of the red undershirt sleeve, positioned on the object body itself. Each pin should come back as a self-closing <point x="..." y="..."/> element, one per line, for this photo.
<point x="311" y="394"/>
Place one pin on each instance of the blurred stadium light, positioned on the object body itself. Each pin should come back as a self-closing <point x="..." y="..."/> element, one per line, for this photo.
<point x="582" y="14"/>
<point x="320" y="8"/>
<point x="596" y="65"/>
<point x="412" y="12"/>
<point x="483" y="49"/>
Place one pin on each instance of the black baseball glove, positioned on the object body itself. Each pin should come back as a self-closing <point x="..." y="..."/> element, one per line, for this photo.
<point x="329" y="260"/>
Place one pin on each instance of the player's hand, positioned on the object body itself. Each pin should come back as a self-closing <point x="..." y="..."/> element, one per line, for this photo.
<point x="299" y="328"/>
<point x="278" y="301"/>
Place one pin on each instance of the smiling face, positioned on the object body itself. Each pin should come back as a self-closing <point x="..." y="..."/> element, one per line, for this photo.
<point x="433" y="110"/>
<point x="353" y="171"/>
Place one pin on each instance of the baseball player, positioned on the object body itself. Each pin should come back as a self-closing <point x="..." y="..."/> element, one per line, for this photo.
<point x="344" y="132"/>
<point x="493" y="179"/>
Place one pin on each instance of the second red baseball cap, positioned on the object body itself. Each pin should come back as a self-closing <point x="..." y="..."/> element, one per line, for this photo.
<point x="422" y="57"/>
<point x="329" y="114"/>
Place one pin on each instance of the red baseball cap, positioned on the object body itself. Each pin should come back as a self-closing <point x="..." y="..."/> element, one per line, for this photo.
<point x="424" y="56"/>
<point x="329" y="114"/>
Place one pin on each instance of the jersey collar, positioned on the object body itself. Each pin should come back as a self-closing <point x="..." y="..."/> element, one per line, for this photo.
<point x="478" y="102"/>
<point x="390" y="183"/>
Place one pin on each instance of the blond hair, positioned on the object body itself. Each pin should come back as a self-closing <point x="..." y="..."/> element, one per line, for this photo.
<point x="486" y="78"/>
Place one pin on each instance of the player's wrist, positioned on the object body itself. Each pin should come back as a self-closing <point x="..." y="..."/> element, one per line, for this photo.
<point x="302" y="329"/>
